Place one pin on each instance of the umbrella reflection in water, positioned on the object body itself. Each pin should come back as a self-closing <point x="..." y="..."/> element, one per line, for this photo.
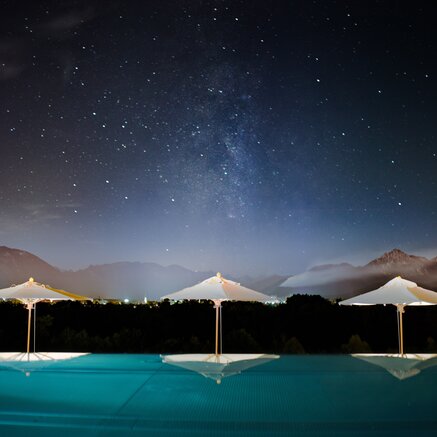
<point x="220" y="366"/>
<point x="402" y="367"/>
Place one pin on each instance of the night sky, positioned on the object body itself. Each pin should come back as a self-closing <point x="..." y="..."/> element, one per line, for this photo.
<point x="241" y="136"/>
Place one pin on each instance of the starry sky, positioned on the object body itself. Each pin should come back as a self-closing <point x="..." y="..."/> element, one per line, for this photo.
<point x="249" y="137"/>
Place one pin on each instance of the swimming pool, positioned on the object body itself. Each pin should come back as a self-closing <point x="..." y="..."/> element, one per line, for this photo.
<point x="133" y="395"/>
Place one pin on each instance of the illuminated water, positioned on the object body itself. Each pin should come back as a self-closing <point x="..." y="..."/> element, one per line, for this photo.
<point x="133" y="395"/>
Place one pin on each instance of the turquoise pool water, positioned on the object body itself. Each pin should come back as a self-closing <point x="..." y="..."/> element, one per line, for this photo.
<point x="136" y="395"/>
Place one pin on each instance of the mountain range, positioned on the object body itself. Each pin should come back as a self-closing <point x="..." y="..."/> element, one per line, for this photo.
<point x="122" y="280"/>
<point x="136" y="281"/>
<point x="345" y="280"/>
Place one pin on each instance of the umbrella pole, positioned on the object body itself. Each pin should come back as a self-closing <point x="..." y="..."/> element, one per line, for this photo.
<point x="34" y="328"/>
<point x="217" y="304"/>
<point x="401" y="311"/>
<point x="221" y="331"/>
<point x="29" y="325"/>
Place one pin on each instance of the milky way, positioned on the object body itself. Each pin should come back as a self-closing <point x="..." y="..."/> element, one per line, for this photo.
<point x="235" y="136"/>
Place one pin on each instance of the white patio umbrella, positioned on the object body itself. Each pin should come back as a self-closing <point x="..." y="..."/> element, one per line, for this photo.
<point x="218" y="289"/>
<point x="218" y="367"/>
<point x="30" y="293"/>
<point x="399" y="292"/>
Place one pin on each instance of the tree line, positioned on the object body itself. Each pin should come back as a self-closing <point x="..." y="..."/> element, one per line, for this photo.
<point x="304" y="324"/>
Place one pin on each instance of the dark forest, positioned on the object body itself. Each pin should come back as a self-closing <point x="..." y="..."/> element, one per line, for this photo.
<point x="304" y="324"/>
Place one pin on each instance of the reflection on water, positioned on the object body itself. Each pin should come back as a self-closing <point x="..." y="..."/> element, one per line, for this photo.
<point x="136" y="395"/>
<point x="401" y="367"/>
<point x="28" y="362"/>
<point x="38" y="356"/>
<point x="219" y="366"/>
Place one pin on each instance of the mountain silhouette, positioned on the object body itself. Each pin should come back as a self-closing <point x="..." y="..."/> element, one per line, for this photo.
<point x="136" y="281"/>
<point x="344" y="280"/>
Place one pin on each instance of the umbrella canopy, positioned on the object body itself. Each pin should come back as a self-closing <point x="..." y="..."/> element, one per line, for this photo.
<point x="32" y="292"/>
<point x="218" y="367"/>
<point x="399" y="292"/>
<point x="218" y="289"/>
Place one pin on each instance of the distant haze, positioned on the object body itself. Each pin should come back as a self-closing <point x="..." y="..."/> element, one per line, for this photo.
<point x="136" y="281"/>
